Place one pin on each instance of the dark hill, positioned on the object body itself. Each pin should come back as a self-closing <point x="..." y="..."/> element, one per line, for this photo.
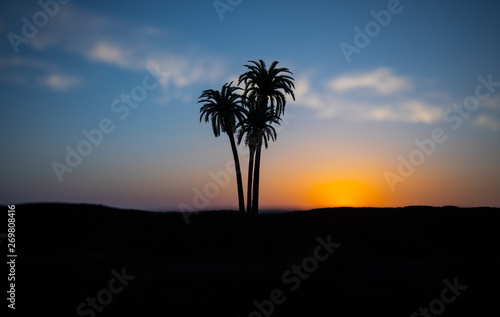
<point x="390" y="261"/>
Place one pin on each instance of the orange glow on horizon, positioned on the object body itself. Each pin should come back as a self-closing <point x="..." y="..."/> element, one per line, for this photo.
<point x="345" y="193"/>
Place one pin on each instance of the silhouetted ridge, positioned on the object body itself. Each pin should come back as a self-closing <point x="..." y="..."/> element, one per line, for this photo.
<point x="390" y="259"/>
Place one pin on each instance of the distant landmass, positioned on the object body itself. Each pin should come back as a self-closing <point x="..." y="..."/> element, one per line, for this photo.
<point x="93" y="260"/>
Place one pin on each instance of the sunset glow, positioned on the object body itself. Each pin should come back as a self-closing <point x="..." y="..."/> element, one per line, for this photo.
<point x="345" y="194"/>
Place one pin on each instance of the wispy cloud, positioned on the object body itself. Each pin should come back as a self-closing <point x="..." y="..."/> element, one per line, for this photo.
<point x="26" y="62"/>
<point x="382" y="81"/>
<point x="488" y="117"/>
<point x="109" y="53"/>
<point x="129" y="46"/>
<point x="61" y="82"/>
<point x="341" y="98"/>
<point x="487" y="122"/>
<point x="492" y="103"/>
<point x="30" y="71"/>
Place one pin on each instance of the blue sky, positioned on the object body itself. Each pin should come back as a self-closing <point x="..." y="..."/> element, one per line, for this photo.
<point x="351" y="120"/>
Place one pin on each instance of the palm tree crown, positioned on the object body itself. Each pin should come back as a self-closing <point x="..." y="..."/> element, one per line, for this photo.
<point x="257" y="120"/>
<point x="221" y="108"/>
<point x="263" y="85"/>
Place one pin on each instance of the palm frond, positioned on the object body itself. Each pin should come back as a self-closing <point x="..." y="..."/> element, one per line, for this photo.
<point x="223" y="108"/>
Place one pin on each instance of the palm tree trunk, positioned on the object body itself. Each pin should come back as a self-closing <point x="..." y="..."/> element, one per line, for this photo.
<point x="250" y="174"/>
<point x="241" y="199"/>
<point x="255" y="199"/>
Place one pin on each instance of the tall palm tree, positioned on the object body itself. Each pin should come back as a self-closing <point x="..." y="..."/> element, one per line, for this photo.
<point x="256" y="125"/>
<point x="264" y="85"/>
<point x="223" y="109"/>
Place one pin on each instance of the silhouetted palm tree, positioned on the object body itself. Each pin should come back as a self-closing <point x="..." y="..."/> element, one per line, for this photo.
<point x="256" y="125"/>
<point x="264" y="85"/>
<point x="223" y="109"/>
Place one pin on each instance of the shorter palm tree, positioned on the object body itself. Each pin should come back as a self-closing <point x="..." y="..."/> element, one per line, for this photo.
<point x="256" y="128"/>
<point x="223" y="109"/>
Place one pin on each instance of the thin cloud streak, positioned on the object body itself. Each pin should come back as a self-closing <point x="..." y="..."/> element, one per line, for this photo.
<point x="29" y="71"/>
<point x="487" y="122"/>
<point x="393" y="100"/>
<point x="131" y="47"/>
<point x="381" y="80"/>
<point x="61" y="82"/>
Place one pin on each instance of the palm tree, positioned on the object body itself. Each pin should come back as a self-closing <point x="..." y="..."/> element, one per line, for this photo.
<point x="223" y="109"/>
<point x="256" y="124"/>
<point x="264" y="85"/>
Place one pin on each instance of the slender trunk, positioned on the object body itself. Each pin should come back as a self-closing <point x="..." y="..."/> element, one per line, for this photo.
<point x="241" y="199"/>
<point x="250" y="174"/>
<point x="262" y="103"/>
<point x="255" y="200"/>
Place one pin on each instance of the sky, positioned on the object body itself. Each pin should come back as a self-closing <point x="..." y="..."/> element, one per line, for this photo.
<point x="397" y="102"/>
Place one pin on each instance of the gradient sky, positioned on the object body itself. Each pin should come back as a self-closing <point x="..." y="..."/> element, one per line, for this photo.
<point x="355" y="116"/>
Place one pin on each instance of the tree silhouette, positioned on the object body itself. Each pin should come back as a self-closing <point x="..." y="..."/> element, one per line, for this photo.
<point x="223" y="109"/>
<point x="256" y="125"/>
<point x="263" y="86"/>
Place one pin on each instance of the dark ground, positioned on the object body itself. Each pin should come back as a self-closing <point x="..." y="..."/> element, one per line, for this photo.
<point x="391" y="261"/>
